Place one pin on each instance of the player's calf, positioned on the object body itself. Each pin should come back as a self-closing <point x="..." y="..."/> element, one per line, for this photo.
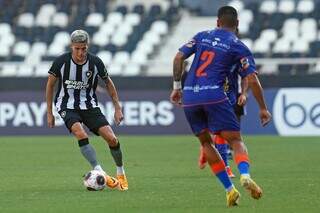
<point x="202" y="161"/>
<point x="240" y="151"/>
<point x="214" y="160"/>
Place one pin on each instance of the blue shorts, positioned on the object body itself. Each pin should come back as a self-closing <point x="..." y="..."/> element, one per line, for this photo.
<point x="213" y="117"/>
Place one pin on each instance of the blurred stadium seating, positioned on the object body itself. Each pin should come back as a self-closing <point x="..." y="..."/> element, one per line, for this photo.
<point x="283" y="35"/>
<point x="141" y="37"/>
<point x="33" y="33"/>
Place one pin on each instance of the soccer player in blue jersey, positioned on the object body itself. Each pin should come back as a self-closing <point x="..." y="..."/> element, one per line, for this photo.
<point x="205" y="103"/>
<point x="236" y="90"/>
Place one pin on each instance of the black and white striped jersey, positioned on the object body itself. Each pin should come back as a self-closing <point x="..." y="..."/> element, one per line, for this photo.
<point x="77" y="83"/>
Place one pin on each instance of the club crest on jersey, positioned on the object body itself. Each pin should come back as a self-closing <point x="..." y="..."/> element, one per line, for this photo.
<point x="244" y="63"/>
<point x="89" y="74"/>
<point x="63" y="114"/>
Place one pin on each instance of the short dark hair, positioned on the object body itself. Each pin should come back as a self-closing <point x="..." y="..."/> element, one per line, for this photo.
<point x="228" y="15"/>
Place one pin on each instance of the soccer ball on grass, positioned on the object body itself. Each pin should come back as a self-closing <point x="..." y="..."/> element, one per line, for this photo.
<point x="94" y="180"/>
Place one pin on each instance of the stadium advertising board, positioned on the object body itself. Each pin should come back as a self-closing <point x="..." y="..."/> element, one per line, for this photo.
<point x="24" y="113"/>
<point x="296" y="111"/>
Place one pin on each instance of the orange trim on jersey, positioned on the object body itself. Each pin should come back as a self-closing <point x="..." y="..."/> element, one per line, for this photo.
<point x="206" y="103"/>
<point x="220" y="140"/>
<point x="218" y="167"/>
<point x="241" y="158"/>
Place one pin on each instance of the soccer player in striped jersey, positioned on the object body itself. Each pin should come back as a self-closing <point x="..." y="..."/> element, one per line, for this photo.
<point x="205" y="103"/>
<point x="77" y="73"/>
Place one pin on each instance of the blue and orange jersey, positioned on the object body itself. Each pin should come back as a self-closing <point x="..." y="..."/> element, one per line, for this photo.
<point x="216" y="52"/>
<point x="232" y="85"/>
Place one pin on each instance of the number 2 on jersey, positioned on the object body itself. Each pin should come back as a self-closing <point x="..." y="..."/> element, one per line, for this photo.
<point x="207" y="57"/>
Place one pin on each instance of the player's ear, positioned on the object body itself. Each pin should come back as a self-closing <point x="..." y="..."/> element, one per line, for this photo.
<point x="218" y="23"/>
<point x="237" y="23"/>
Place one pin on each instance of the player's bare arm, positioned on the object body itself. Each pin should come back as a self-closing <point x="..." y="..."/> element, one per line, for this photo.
<point x="176" y="93"/>
<point x="257" y="91"/>
<point x="242" y="100"/>
<point x="178" y="66"/>
<point x="118" y="116"/>
<point x="49" y="97"/>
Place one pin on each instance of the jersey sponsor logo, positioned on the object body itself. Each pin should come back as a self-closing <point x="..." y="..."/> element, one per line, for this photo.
<point x="197" y="88"/>
<point x="296" y="113"/>
<point x="208" y="41"/>
<point x="216" y="43"/>
<point x="72" y="84"/>
<point x="244" y="63"/>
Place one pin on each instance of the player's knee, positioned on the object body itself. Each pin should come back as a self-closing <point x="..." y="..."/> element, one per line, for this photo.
<point x="80" y="134"/>
<point x="205" y="143"/>
<point x="205" y="138"/>
<point x="232" y="141"/>
<point x="231" y="137"/>
<point x="237" y="145"/>
<point x="113" y="141"/>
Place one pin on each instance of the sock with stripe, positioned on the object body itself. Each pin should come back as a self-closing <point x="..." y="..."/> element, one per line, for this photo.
<point x="219" y="170"/>
<point x="242" y="160"/>
<point x="117" y="157"/>
<point x="88" y="152"/>
<point x="222" y="147"/>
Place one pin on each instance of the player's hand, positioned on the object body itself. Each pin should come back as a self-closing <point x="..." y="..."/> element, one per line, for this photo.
<point x="176" y="96"/>
<point x="265" y="117"/>
<point x="242" y="100"/>
<point x="50" y="120"/>
<point x="118" y="116"/>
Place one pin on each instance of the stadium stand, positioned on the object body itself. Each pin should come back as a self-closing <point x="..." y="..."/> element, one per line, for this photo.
<point x="283" y="35"/>
<point x="124" y="36"/>
<point x="141" y="37"/>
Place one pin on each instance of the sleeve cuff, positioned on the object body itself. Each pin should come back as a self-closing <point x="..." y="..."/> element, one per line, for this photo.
<point x="52" y="73"/>
<point x="105" y="77"/>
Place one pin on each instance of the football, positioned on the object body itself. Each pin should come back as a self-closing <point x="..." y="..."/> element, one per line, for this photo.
<point x="94" y="180"/>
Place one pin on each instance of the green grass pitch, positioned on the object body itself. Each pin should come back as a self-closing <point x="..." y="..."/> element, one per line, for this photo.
<point x="44" y="174"/>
